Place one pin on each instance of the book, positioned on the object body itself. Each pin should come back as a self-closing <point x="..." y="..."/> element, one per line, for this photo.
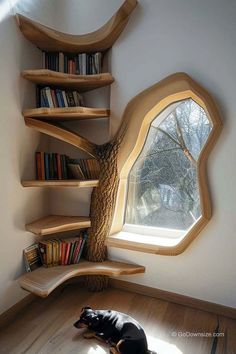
<point x="38" y="166"/>
<point x="76" y="171"/>
<point x="61" y="62"/>
<point x="32" y="258"/>
<point x="81" y="247"/>
<point x="76" y="252"/>
<point x="49" y="97"/>
<point x="47" y="166"/>
<point x="42" y="165"/>
<point x="59" y="169"/>
<point x="45" y="250"/>
<point x="64" y="98"/>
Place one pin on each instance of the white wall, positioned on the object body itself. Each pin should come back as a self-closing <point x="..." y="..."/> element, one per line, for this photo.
<point x="197" y="37"/>
<point x="17" y="146"/>
<point x="163" y="37"/>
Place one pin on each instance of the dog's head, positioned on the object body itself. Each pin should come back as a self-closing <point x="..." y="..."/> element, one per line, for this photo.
<point x="88" y="319"/>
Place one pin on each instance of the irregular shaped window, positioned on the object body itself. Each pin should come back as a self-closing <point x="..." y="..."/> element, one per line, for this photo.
<point x="163" y="192"/>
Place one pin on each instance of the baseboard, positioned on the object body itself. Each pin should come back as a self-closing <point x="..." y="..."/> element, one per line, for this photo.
<point x="9" y="315"/>
<point x="173" y="297"/>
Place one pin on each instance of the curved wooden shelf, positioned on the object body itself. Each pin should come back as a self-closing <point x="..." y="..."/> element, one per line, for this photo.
<point x="50" y="40"/>
<point x="62" y="134"/>
<point x="43" y="281"/>
<point x="66" y="114"/>
<point x="68" y="81"/>
<point x="61" y="183"/>
<point x="57" y="223"/>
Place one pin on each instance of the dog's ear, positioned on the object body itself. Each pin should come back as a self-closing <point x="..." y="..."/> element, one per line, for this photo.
<point x="86" y="308"/>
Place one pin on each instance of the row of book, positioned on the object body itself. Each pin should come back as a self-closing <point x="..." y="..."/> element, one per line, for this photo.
<point x="84" y="168"/>
<point x="54" y="166"/>
<point x="54" y="252"/>
<point x="51" y="166"/>
<point x="52" y="98"/>
<point x="78" y="64"/>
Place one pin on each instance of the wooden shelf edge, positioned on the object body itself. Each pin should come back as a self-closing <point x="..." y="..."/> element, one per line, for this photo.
<point x="61" y="183"/>
<point x="63" y="80"/>
<point x="43" y="281"/>
<point x="100" y="40"/>
<point x="57" y="223"/>
<point x="66" y="113"/>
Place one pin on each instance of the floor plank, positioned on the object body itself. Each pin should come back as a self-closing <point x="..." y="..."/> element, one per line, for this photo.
<point x="46" y="325"/>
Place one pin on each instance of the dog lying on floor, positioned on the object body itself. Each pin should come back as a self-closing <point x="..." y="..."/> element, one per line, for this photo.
<point x="123" y="333"/>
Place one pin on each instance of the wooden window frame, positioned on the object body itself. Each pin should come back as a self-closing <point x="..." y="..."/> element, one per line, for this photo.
<point x="139" y="114"/>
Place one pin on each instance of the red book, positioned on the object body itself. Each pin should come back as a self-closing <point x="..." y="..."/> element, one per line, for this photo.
<point x="54" y="99"/>
<point x="73" y="67"/>
<point x="70" y="66"/>
<point x="77" y="249"/>
<point x="38" y="166"/>
<point x="59" y="169"/>
<point x="42" y="165"/>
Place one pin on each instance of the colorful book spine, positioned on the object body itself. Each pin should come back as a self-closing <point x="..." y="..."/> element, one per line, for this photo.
<point x="81" y="248"/>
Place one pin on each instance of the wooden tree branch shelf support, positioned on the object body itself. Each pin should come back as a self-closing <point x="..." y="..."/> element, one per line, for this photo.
<point x="51" y="40"/>
<point x="68" y="81"/>
<point x="57" y="223"/>
<point x="62" y="134"/>
<point x="43" y="281"/>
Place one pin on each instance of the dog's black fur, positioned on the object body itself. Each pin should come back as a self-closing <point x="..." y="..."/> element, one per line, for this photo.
<point x="121" y="331"/>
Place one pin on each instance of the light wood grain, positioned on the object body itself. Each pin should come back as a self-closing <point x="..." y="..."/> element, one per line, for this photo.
<point x="49" y="39"/>
<point x="61" y="183"/>
<point x="43" y="281"/>
<point x="137" y="118"/>
<point x="174" y="297"/>
<point x="57" y="223"/>
<point x="62" y="134"/>
<point x="66" y="114"/>
<point x="68" y="81"/>
<point x="46" y="326"/>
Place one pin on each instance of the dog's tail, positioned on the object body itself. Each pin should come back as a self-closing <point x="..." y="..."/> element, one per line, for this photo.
<point x="151" y="352"/>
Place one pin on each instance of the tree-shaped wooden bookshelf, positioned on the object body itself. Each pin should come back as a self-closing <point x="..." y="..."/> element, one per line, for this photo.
<point x="96" y="266"/>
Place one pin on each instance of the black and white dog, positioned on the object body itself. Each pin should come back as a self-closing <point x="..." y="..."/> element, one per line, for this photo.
<point x="123" y="333"/>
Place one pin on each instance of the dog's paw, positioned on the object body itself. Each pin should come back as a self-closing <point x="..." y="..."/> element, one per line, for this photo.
<point x="89" y="335"/>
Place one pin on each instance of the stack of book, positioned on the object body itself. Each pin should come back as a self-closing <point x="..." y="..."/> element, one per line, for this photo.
<point x="62" y="251"/>
<point x="84" y="168"/>
<point x="51" y="166"/>
<point x="78" y="64"/>
<point x="52" y="98"/>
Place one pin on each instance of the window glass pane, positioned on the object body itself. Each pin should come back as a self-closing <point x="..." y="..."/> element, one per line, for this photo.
<point x="163" y="184"/>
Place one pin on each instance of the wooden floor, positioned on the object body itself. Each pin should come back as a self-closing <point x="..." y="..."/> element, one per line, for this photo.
<point x="46" y="325"/>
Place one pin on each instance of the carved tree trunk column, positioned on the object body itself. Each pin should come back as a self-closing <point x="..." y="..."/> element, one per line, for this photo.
<point x="101" y="211"/>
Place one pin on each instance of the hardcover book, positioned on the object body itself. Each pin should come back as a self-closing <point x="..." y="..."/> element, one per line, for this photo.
<point x="32" y="257"/>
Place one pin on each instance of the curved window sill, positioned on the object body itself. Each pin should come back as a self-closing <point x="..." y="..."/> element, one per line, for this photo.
<point x="144" y="243"/>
